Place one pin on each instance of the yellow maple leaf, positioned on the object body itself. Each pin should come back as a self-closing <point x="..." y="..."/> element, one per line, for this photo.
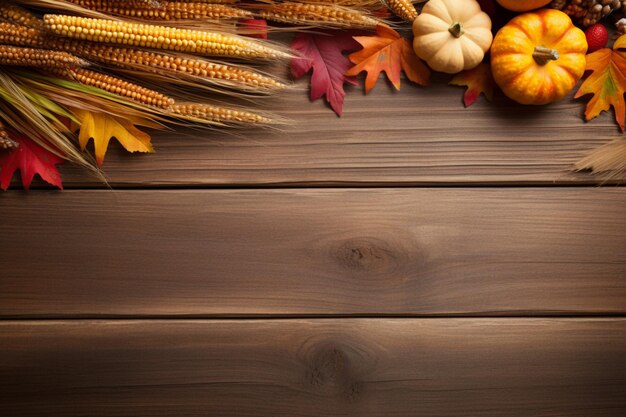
<point x="102" y="127"/>
<point x="607" y="82"/>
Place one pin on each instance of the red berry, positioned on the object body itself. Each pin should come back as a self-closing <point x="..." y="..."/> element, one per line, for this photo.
<point x="597" y="37"/>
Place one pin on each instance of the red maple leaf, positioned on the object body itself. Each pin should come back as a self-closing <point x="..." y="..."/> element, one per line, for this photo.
<point x="30" y="159"/>
<point x="322" y="52"/>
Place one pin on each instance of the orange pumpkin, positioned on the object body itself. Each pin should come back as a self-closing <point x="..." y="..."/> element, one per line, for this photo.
<point x="538" y="57"/>
<point x="523" y="5"/>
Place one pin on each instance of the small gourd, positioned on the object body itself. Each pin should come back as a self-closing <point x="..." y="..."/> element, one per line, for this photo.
<point x="452" y="35"/>
<point x="538" y="57"/>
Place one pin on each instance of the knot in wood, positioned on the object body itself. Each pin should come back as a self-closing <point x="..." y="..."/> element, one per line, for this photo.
<point x="332" y="373"/>
<point x="366" y="254"/>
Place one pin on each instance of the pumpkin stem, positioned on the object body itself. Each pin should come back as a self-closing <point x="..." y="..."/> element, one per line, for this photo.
<point x="456" y="29"/>
<point x="544" y="55"/>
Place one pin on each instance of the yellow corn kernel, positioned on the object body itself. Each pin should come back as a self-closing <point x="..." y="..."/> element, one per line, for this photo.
<point x="120" y="87"/>
<point x="158" y="37"/>
<point x="404" y="9"/>
<point x="217" y="114"/>
<point x="166" y="10"/>
<point x="318" y="14"/>
<point x="40" y="58"/>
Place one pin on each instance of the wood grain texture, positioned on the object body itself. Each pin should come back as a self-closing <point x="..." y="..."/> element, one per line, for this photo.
<point x="415" y="136"/>
<point x="290" y="252"/>
<point x="341" y="367"/>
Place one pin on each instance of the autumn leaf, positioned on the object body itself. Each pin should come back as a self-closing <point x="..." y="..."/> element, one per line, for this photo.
<point x="30" y="159"/>
<point x="102" y="127"/>
<point x="388" y="52"/>
<point x="322" y="53"/>
<point x="478" y="81"/>
<point x="607" y="82"/>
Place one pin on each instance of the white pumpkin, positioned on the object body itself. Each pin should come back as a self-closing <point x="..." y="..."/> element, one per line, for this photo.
<point x="452" y="35"/>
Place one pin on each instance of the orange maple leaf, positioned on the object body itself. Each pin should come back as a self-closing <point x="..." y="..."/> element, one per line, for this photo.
<point x="607" y="82"/>
<point x="478" y="81"/>
<point x="388" y="52"/>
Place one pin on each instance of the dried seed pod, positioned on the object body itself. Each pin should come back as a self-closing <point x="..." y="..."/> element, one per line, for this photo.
<point x="118" y="86"/>
<point x="159" y="37"/>
<point x="15" y="14"/>
<point x="166" y="10"/>
<point x="168" y="64"/>
<point x="587" y="12"/>
<point x="330" y="15"/>
<point x="217" y="114"/>
<point x="17" y="35"/>
<point x="6" y="142"/>
<point x="39" y="58"/>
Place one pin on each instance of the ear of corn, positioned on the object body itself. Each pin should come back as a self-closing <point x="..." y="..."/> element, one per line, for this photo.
<point x="38" y="58"/>
<point x="167" y="64"/>
<point x="216" y="114"/>
<point x="20" y="16"/>
<point x="119" y="87"/>
<point x="159" y="37"/>
<point x="167" y="10"/>
<point x="5" y="141"/>
<point x="404" y="9"/>
<point x="331" y="15"/>
<point x="17" y="35"/>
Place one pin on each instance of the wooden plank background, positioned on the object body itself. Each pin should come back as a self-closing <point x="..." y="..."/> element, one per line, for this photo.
<point x="423" y="260"/>
<point x="356" y="367"/>
<point x="323" y="252"/>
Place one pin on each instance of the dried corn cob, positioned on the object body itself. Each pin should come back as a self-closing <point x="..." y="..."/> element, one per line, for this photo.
<point x="159" y="37"/>
<point x="18" y="15"/>
<point x="316" y="14"/>
<point x="5" y="141"/>
<point x="167" y="10"/>
<point x="404" y="9"/>
<point x="222" y="115"/>
<point x="40" y="58"/>
<point x="12" y="34"/>
<point x="160" y="63"/>
<point x="118" y="86"/>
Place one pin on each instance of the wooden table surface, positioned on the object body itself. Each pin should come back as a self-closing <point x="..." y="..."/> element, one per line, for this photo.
<point x="413" y="258"/>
